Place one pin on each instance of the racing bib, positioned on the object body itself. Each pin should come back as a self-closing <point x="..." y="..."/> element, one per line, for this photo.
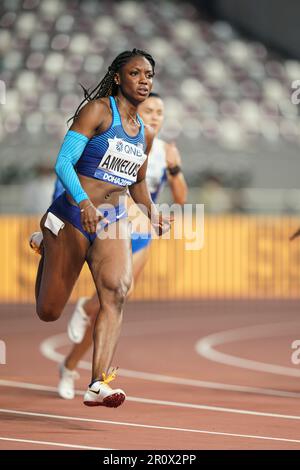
<point x="121" y="162"/>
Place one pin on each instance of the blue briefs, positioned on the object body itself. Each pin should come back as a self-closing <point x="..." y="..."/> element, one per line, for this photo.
<point x="139" y="241"/>
<point x="63" y="209"/>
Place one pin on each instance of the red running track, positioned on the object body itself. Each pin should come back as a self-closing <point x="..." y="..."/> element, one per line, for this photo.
<point x="238" y="390"/>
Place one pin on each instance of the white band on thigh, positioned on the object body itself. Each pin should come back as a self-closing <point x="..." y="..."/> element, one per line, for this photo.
<point x="53" y="223"/>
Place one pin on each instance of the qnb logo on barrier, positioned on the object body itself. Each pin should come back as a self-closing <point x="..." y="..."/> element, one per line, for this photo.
<point x="2" y="352"/>
<point x="295" y="357"/>
<point x="2" y="92"/>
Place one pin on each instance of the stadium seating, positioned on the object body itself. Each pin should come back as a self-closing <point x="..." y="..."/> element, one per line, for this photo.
<point x="224" y="95"/>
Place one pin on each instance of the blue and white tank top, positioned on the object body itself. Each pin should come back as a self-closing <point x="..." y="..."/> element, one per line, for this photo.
<point x="114" y="156"/>
<point x="156" y="175"/>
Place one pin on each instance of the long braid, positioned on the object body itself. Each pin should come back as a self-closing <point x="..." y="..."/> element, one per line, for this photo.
<point x="107" y="86"/>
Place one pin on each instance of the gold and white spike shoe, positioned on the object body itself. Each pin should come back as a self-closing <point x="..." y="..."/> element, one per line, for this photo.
<point x="99" y="393"/>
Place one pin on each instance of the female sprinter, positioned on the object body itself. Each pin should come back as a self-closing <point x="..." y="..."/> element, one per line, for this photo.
<point x="164" y="163"/>
<point x="103" y="153"/>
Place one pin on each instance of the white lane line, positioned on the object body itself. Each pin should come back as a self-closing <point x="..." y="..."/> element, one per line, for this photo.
<point x="150" y="401"/>
<point x="149" y="426"/>
<point x="56" y="444"/>
<point x="48" y="349"/>
<point x="206" y="346"/>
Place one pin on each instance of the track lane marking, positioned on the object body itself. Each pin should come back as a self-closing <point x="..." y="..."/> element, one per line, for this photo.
<point x="205" y="347"/>
<point x="49" y="443"/>
<point x="36" y="387"/>
<point x="148" y="426"/>
<point x="49" y="345"/>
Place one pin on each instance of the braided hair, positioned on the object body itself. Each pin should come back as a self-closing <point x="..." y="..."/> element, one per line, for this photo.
<point x="107" y="86"/>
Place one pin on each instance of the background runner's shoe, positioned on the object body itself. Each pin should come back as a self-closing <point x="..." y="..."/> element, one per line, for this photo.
<point x="79" y="322"/>
<point x="100" y="393"/>
<point x="35" y="242"/>
<point x="66" y="388"/>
